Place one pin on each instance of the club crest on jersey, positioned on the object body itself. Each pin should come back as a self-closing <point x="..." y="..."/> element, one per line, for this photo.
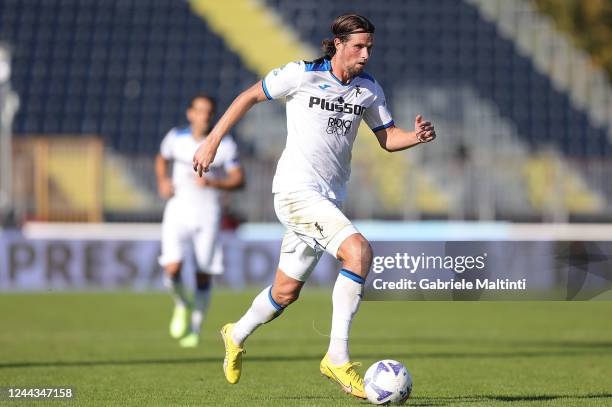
<point x="349" y="108"/>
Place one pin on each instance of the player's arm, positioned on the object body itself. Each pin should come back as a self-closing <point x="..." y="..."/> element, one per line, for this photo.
<point x="164" y="182"/>
<point x="205" y="154"/>
<point x="234" y="179"/>
<point x="396" y="139"/>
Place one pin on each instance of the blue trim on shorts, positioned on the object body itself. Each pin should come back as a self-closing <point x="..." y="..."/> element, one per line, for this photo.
<point x="274" y="303"/>
<point x="352" y="276"/>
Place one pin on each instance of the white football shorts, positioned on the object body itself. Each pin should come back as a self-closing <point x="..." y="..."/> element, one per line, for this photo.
<point x="314" y="224"/>
<point x="187" y="227"/>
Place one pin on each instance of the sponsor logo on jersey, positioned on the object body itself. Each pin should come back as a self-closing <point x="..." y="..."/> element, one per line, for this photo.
<point x="340" y="107"/>
<point x="324" y="86"/>
<point x="337" y="126"/>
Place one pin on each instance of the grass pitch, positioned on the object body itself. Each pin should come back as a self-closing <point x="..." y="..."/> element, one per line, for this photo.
<point x="114" y="349"/>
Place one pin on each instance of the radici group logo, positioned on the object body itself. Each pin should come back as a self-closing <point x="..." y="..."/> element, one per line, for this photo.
<point x="337" y="126"/>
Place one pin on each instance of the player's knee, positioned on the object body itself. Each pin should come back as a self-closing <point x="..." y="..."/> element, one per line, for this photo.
<point x="356" y="253"/>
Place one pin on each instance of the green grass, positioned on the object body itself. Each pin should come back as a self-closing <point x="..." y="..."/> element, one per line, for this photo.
<point x="113" y="349"/>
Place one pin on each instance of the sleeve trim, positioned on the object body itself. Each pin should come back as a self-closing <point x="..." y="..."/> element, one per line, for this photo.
<point x="263" y="85"/>
<point x="384" y="126"/>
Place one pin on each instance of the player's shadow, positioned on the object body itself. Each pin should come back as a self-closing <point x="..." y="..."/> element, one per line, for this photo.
<point x="380" y="341"/>
<point x="497" y="342"/>
<point x="263" y="358"/>
<point x="546" y="349"/>
<point x="445" y="401"/>
<point x="124" y="362"/>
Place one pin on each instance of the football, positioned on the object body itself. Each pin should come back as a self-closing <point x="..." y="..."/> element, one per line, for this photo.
<point x="388" y="382"/>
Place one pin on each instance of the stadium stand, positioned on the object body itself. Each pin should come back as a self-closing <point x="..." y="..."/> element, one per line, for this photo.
<point x="124" y="69"/>
<point x="448" y="40"/>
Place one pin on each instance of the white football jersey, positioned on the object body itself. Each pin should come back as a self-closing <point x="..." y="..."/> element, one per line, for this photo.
<point x="179" y="146"/>
<point x="323" y="116"/>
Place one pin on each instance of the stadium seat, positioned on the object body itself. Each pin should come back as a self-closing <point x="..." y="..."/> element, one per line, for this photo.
<point x="94" y="46"/>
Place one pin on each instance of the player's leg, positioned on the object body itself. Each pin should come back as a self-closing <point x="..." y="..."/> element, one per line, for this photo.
<point x="296" y="263"/>
<point x="268" y="304"/>
<point x="171" y="261"/>
<point x="209" y="261"/>
<point x="180" y="316"/>
<point x="316" y="218"/>
<point x="318" y="221"/>
<point x="355" y="254"/>
<point x="199" y="306"/>
<point x="173" y="282"/>
<point x="201" y="300"/>
<point x="297" y="260"/>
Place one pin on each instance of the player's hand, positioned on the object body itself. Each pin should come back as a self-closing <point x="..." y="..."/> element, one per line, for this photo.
<point x="165" y="187"/>
<point x="424" y="130"/>
<point x="205" y="155"/>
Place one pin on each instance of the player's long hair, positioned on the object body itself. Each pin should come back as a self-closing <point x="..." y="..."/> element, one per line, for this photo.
<point x="342" y="27"/>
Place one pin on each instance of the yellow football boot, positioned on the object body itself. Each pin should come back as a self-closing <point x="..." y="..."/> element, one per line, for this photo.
<point x="191" y="340"/>
<point x="346" y="376"/>
<point x="232" y="363"/>
<point x="179" y="324"/>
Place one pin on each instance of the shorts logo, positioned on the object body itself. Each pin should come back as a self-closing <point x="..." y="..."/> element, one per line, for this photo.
<point x="319" y="228"/>
<point x="337" y="126"/>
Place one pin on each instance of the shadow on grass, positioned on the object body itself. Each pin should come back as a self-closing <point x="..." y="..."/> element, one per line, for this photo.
<point x="445" y="401"/>
<point x="306" y="358"/>
<point x="430" y="340"/>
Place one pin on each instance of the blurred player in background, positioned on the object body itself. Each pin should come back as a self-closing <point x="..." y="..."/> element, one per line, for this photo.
<point x="326" y="100"/>
<point x="192" y="215"/>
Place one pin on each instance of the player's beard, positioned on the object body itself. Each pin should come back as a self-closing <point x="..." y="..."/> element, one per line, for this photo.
<point x="356" y="69"/>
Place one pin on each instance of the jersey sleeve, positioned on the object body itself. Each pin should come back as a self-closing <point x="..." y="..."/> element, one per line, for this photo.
<point x="281" y="82"/>
<point x="166" y="149"/>
<point x="231" y="157"/>
<point x="377" y="115"/>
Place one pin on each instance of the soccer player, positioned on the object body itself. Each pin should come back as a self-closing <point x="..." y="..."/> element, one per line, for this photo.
<point x="192" y="215"/>
<point x="326" y="100"/>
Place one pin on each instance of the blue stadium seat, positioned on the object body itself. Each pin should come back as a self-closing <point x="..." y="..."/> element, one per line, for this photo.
<point x="89" y="49"/>
<point x="96" y="46"/>
<point x="453" y="41"/>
